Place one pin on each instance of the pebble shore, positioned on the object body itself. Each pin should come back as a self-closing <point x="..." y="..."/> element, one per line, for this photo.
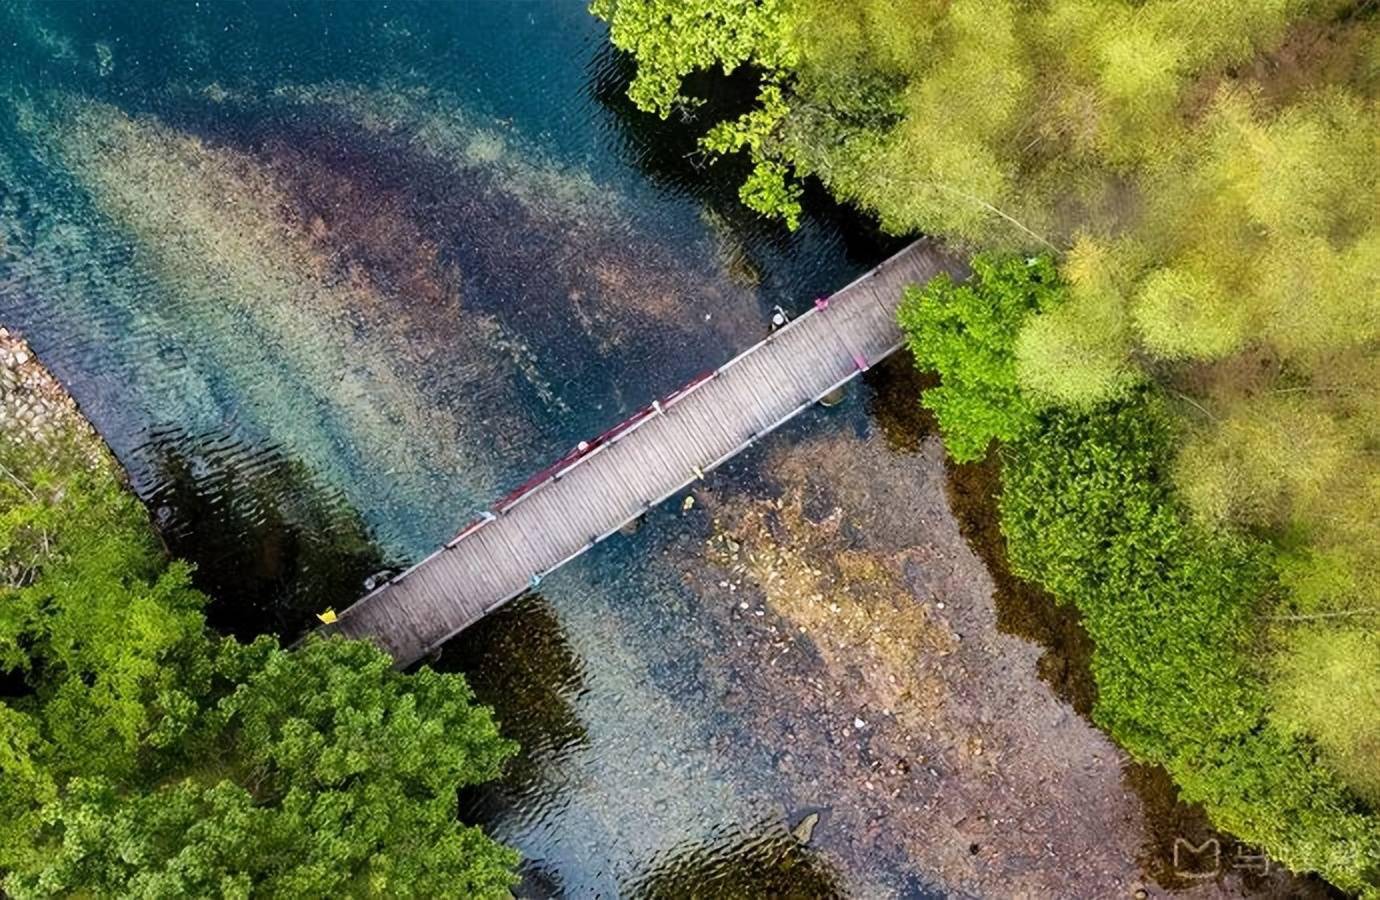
<point x="36" y="409"/>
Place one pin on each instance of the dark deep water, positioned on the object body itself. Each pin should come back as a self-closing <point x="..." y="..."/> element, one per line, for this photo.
<point x="330" y="278"/>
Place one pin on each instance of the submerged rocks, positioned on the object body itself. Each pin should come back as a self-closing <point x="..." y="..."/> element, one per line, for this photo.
<point x="834" y="397"/>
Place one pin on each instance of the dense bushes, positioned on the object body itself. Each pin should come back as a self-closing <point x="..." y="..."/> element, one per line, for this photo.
<point x="966" y="332"/>
<point x="1328" y="687"/>
<point x="1171" y="608"/>
<point x="1089" y="511"/>
<point x="1204" y="170"/>
<point x="142" y="756"/>
<point x="315" y="772"/>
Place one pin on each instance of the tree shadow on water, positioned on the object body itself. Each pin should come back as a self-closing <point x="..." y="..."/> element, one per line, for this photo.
<point x="772" y="864"/>
<point x="667" y="151"/>
<point x="272" y="546"/>
<point x="893" y="402"/>
<point x="1023" y="609"/>
<point x="518" y="662"/>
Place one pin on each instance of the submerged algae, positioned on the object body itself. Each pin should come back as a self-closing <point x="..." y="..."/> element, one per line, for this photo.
<point x="364" y="287"/>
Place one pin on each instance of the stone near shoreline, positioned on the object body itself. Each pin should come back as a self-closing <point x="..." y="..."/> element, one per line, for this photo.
<point x="35" y="408"/>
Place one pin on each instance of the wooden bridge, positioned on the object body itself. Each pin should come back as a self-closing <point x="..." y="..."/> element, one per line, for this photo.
<point x="607" y="482"/>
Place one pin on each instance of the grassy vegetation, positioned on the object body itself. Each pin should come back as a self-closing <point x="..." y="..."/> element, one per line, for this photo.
<point x="142" y="755"/>
<point x="1190" y="412"/>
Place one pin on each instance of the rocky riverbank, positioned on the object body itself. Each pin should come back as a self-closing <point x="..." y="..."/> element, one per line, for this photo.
<point x="35" y="409"/>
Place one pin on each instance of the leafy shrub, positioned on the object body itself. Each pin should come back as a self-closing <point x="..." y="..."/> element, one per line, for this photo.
<point x="317" y="772"/>
<point x="966" y="332"/>
<point x="1327" y="686"/>
<point x="1089" y="512"/>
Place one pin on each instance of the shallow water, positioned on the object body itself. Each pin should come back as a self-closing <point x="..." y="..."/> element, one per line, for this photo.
<point x="331" y="278"/>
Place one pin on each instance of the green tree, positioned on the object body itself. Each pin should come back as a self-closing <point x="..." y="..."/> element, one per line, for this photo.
<point x="1327" y="686"/>
<point x="672" y="38"/>
<point x="147" y="757"/>
<point x="1089" y="513"/>
<point x="966" y="332"/>
<point x="1204" y="173"/>
<point x="91" y="619"/>
<point x="769" y="189"/>
<point x="318" y="772"/>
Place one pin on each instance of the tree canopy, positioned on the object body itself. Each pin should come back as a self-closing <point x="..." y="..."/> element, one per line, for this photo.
<point x="967" y="334"/>
<point x="1090" y="511"/>
<point x="1204" y="171"/>
<point x="141" y="755"/>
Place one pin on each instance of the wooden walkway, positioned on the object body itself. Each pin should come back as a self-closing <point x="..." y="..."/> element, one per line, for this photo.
<point x="606" y="483"/>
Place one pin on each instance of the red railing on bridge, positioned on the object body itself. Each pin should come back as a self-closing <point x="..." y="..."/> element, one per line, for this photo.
<point x="583" y="449"/>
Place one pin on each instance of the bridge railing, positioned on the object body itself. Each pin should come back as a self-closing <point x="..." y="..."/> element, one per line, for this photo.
<point x="579" y="456"/>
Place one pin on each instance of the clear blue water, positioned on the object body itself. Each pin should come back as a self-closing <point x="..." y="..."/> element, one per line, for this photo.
<point x="359" y="269"/>
<point x="329" y="278"/>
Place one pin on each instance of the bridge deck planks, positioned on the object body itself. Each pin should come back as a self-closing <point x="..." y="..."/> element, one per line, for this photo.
<point x="658" y="456"/>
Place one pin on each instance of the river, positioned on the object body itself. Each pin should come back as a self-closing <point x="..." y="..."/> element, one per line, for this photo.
<point x="330" y="278"/>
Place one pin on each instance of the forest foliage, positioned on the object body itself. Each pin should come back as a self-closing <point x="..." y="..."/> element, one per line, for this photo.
<point x="1203" y="170"/>
<point x="1171" y="607"/>
<point x="1203" y="175"/>
<point x="1178" y="609"/>
<point x="142" y="756"/>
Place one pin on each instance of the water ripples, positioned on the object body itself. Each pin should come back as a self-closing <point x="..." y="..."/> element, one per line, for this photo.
<point x="329" y="279"/>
